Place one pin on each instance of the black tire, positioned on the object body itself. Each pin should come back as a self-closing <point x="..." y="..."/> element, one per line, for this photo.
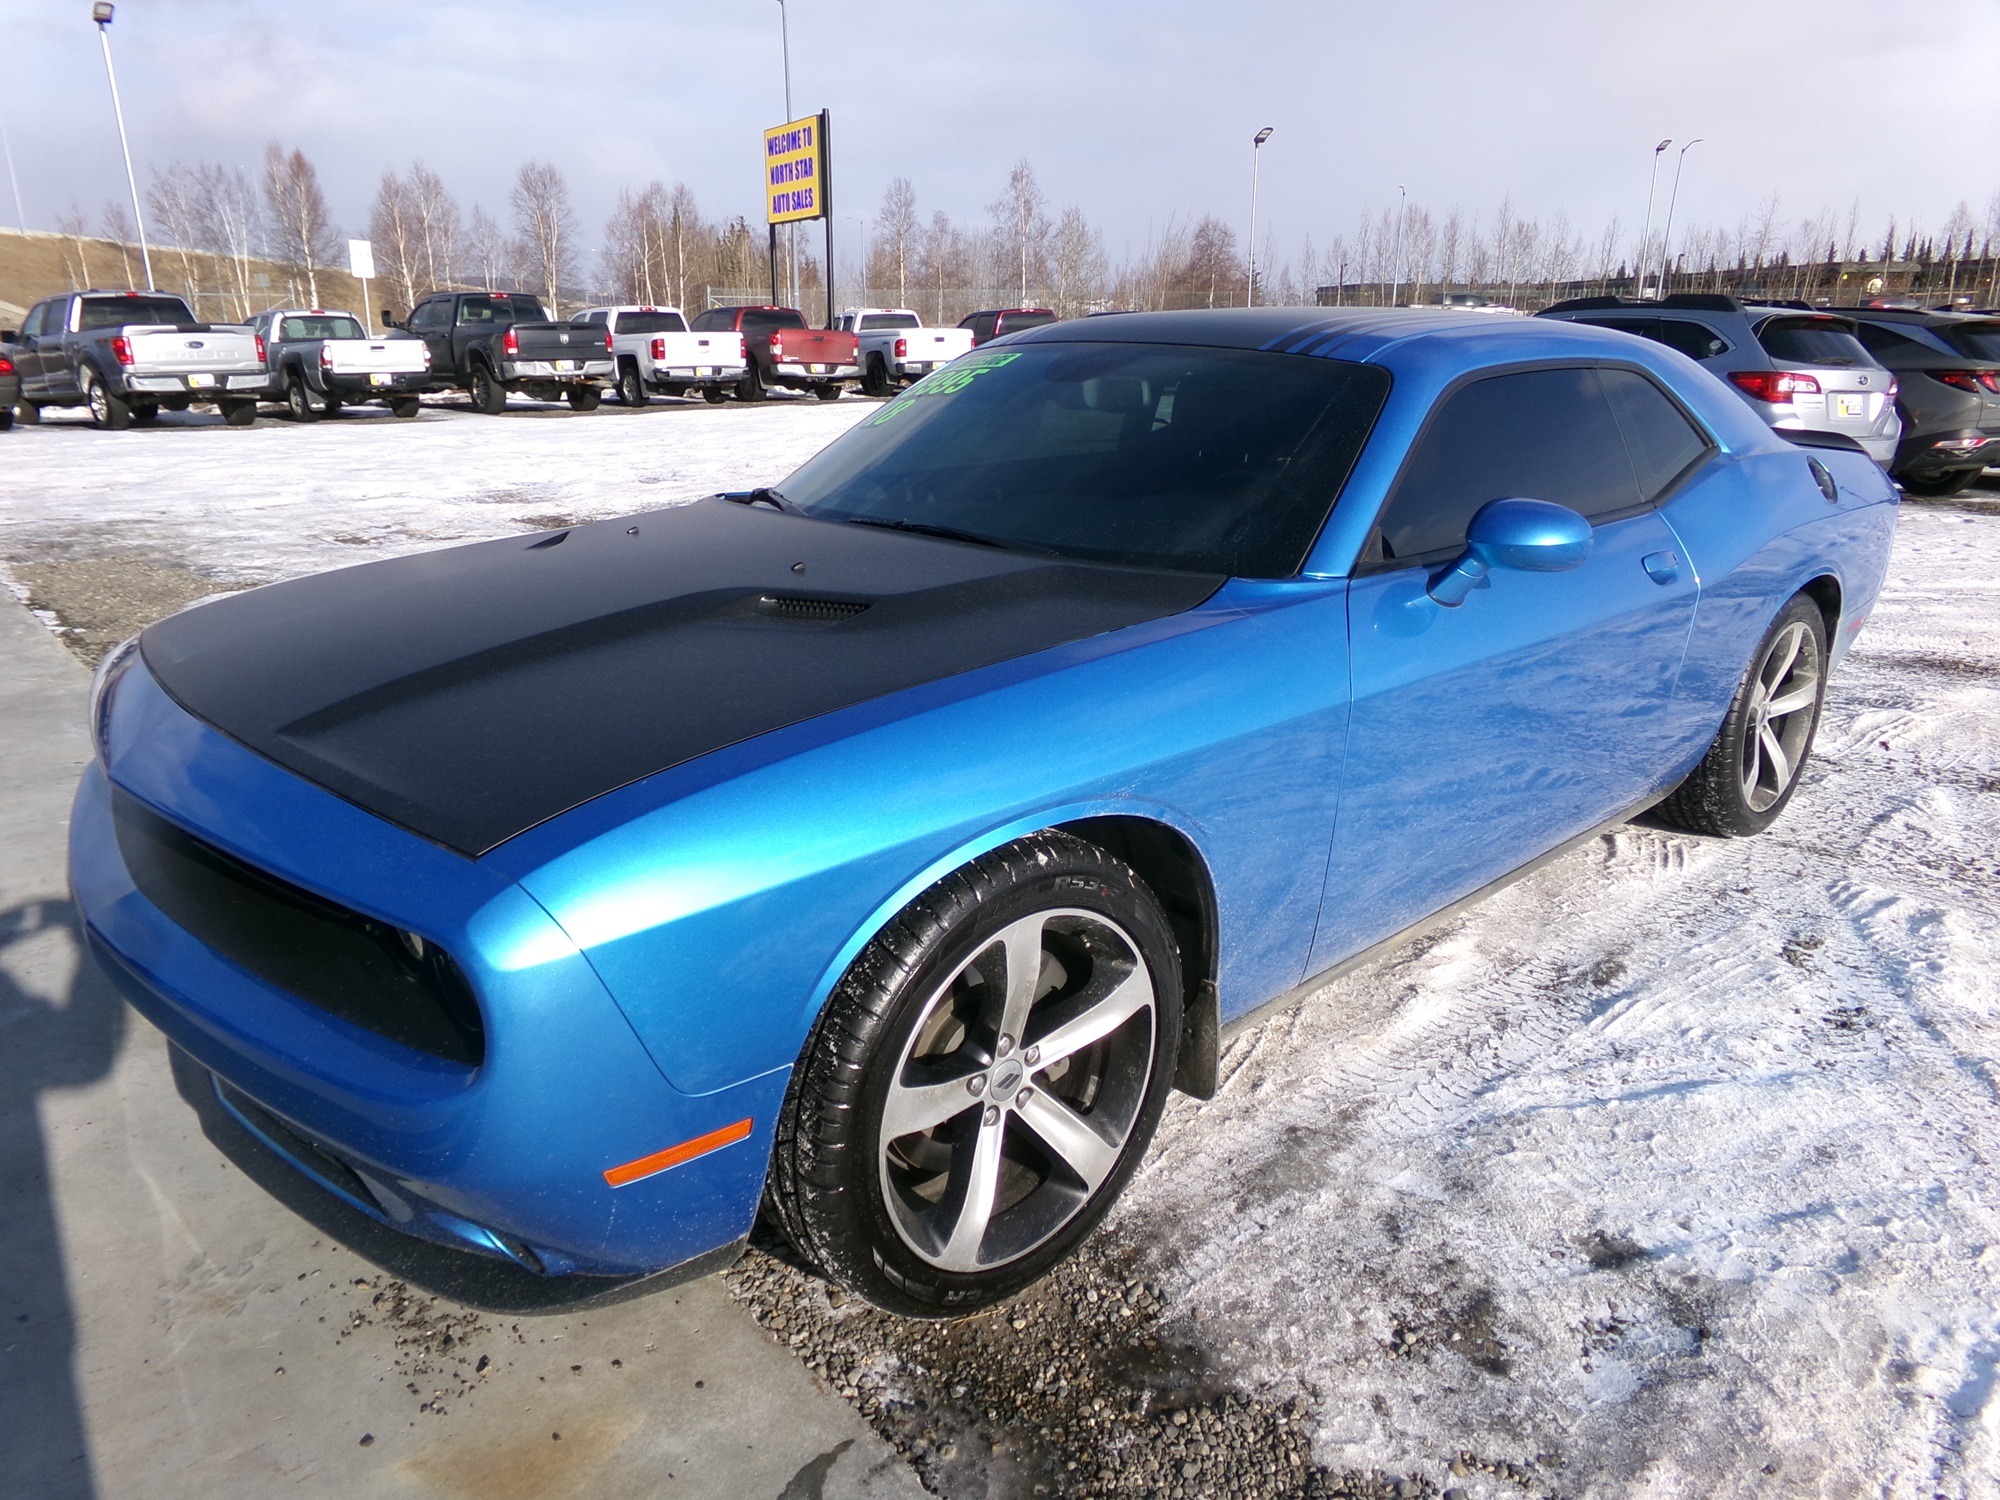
<point x="919" y="1007"/>
<point x="173" y="403"/>
<point x="631" y="385"/>
<point x="1737" y="788"/>
<point x="488" y="395"/>
<point x="584" y="397"/>
<point x="29" y="413"/>
<point x="238" y="413"/>
<point x="1943" y="486"/>
<point x="876" y="381"/>
<point x="147" y="415"/>
<point x="714" y="395"/>
<point x="6" y="417"/>
<point x="751" y="386"/>
<point x="828" y="392"/>
<point x="107" y="410"/>
<point x="332" y="406"/>
<point x="299" y="401"/>
<point x="406" y="406"/>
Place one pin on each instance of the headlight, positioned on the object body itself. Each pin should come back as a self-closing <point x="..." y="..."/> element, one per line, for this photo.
<point x="116" y="660"/>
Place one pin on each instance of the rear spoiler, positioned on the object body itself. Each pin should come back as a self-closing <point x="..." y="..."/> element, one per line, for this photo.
<point x="1808" y="439"/>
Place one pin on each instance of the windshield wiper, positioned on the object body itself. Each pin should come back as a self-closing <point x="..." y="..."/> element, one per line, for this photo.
<point x="765" y="495"/>
<point x="925" y="528"/>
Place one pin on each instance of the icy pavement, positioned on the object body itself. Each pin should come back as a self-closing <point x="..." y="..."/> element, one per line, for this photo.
<point x="1668" y="1172"/>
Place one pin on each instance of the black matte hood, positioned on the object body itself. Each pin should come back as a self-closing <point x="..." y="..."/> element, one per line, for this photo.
<point x="471" y="693"/>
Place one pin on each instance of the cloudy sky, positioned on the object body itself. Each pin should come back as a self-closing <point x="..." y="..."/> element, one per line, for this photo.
<point x="1137" y="112"/>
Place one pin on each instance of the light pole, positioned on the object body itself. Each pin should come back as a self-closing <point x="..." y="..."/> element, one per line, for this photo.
<point x="792" y="229"/>
<point x="1396" y="272"/>
<point x="1256" y="150"/>
<point x="20" y="213"/>
<point x="1645" y="238"/>
<point x="1667" y="235"/>
<point x="101" y="14"/>
<point x="857" y="219"/>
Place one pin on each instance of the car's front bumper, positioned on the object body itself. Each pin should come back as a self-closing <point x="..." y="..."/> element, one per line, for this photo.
<point x="508" y="1157"/>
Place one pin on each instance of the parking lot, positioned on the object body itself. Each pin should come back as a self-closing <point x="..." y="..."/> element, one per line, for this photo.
<point x="1663" y="1171"/>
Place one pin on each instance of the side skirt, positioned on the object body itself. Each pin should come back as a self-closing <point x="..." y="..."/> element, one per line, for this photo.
<point x="1257" y="1015"/>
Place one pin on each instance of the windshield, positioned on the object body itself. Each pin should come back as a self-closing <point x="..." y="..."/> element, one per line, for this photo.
<point x="890" y="320"/>
<point x="321" y="326"/>
<point x="764" y="319"/>
<point x="652" y="321"/>
<point x="117" y="312"/>
<point x="1812" y="341"/>
<point x="1980" y="340"/>
<point x="1207" y="460"/>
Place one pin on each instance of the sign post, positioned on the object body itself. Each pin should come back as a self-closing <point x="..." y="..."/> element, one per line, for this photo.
<point x="798" y="185"/>
<point x="361" y="266"/>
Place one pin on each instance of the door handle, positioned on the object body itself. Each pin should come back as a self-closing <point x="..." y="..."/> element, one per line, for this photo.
<point x="1662" y="567"/>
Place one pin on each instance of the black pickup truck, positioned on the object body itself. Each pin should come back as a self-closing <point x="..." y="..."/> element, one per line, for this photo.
<point x="127" y="355"/>
<point x="491" y="343"/>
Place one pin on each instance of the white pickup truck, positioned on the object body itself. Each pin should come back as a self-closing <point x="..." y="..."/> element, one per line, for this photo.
<point x="896" y="348"/>
<point x="321" y="361"/>
<point x="656" y="352"/>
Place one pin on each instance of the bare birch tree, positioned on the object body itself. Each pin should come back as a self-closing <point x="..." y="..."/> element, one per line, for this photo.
<point x="1077" y="263"/>
<point x="302" y="233"/>
<point x="72" y="226"/>
<point x="485" y="250"/>
<point x="392" y="228"/>
<point x="1021" y="228"/>
<point x="437" y="225"/>
<point x="545" y="225"/>
<point x="895" y="234"/>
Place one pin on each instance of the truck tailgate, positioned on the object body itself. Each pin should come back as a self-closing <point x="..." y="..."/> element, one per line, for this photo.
<point x="216" y="350"/>
<point x="937" y="344"/>
<point x="696" y="350"/>
<point x="374" y="356"/>
<point x="815" y="346"/>
<point x="559" y="341"/>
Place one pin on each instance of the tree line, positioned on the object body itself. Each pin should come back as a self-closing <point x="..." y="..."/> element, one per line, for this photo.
<point x="213" y="223"/>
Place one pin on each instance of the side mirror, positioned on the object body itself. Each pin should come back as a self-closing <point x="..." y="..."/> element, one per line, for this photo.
<point x="389" y="318"/>
<point x="1534" y="536"/>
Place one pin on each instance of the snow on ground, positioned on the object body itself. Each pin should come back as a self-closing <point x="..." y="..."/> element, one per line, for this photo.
<point x="1671" y="1170"/>
<point x="1667" y="1172"/>
<point x="254" y="505"/>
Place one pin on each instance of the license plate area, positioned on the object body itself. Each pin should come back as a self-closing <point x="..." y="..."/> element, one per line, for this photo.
<point x="377" y="378"/>
<point x="200" y="382"/>
<point x="1850" y="404"/>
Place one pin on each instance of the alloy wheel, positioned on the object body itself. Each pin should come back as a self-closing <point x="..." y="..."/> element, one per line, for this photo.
<point x="1783" y="704"/>
<point x="1017" y="1090"/>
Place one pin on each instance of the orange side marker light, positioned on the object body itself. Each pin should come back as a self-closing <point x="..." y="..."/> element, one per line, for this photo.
<point x="675" y="1156"/>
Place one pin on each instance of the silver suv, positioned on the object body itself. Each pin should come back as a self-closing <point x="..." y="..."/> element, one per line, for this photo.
<point x="1800" y="368"/>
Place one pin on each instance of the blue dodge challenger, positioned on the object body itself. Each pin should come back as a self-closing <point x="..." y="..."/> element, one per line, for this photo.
<point x="881" y="848"/>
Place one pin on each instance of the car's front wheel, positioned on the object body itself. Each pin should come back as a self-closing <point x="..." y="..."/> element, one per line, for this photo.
<point x="983" y="1081"/>
<point x="1753" y="767"/>
<point x="1942" y="486"/>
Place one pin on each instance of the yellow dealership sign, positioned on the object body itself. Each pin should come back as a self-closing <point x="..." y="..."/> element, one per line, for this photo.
<point x="795" y="175"/>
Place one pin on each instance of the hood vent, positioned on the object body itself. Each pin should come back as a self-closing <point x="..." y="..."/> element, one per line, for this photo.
<point x="823" y="611"/>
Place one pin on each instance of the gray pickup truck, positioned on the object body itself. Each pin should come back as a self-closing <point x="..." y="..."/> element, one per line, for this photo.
<point x="130" y="355"/>
<point x="494" y="343"/>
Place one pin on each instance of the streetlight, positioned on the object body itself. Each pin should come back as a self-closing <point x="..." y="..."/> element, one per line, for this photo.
<point x="857" y="219"/>
<point x="20" y="213"/>
<point x="1396" y="285"/>
<point x="1646" y="237"/>
<point x="1667" y="237"/>
<point x="101" y="14"/>
<point x="1256" y="148"/>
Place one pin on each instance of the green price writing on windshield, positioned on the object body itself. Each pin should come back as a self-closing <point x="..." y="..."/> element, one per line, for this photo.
<point x="952" y="379"/>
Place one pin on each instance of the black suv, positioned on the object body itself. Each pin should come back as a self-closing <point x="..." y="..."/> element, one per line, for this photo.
<point x="1947" y="368"/>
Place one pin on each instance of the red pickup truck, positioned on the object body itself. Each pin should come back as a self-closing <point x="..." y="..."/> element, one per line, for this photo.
<point x="784" y="351"/>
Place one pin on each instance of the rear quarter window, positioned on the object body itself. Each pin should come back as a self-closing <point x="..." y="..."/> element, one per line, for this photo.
<point x="1979" y="340"/>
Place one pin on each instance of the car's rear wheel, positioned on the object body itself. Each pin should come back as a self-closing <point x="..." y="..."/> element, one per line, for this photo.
<point x="300" y="401"/>
<point x="827" y="392"/>
<point x="631" y="385"/>
<point x="238" y="413"/>
<point x="583" y="397"/>
<point x="714" y="395"/>
<point x="1940" y="486"/>
<point x="876" y="381"/>
<point x="406" y="406"/>
<point x="1753" y="767"/>
<point x="983" y="1081"/>
<point x="106" y="410"/>
<point x="488" y="394"/>
<point x="751" y="386"/>
<point x="6" y="417"/>
<point x="145" y="414"/>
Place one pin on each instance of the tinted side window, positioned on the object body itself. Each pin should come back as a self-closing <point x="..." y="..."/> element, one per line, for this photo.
<point x="1695" y="340"/>
<point x="1662" y="441"/>
<point x="764" y="319"/>
<point x="1540" y="435"/>
<point x="1980" y="340"/>
<point x="31" y="326"/>
<point x="430" y="315"/>
<point x="715" y="320"/>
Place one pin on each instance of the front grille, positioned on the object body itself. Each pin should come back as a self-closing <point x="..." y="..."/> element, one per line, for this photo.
<point x="347" y="964"/>
<point x="787" y="607"/>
